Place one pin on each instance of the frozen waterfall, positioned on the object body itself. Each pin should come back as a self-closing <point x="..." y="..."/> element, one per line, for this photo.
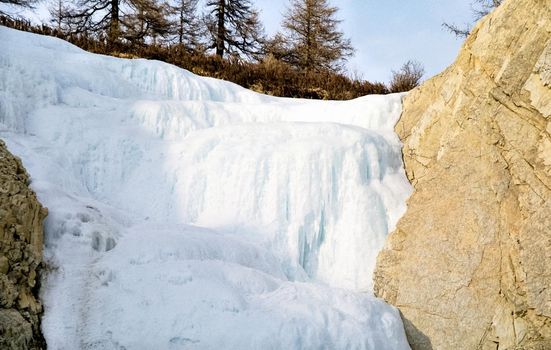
<point x="189" y="213"/>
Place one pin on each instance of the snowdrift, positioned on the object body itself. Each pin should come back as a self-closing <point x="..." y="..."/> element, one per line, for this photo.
<point x="189" y="213"/>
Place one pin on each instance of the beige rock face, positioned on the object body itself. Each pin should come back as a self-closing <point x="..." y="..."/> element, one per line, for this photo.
<point x="21" y="234"/>
<point x="469" y="265"/>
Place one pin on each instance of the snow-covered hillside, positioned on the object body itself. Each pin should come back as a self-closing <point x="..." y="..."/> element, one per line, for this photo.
<point x="189" y="213"/>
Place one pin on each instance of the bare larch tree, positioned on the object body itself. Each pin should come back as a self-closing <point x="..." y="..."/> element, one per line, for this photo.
<point x="187" y="29"/>
<point x="130" y="19"/>
<point x="57" y="10"/>
<point x="313" y="37"/>
<point x="234" y="28"/>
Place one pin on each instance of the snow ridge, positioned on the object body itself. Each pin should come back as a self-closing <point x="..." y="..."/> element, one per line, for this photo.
<point x="189" y="213"/>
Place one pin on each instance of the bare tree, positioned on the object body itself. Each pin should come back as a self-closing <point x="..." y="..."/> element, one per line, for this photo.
<point x="277" y="47"/>
<point x="57" y="10"/>
<point x="22" y="3"/>
<point x="130" y="19"/>
<point x="186" y="27"/>
<point x="484" y="7"/>
<point x="26" y="3"/>
<point x="146" y="19"/>
<point x="313" y="38"/>
<point x="408" y="77"/>
<point x="480" y="8"/>
<point x="234" y="27"/>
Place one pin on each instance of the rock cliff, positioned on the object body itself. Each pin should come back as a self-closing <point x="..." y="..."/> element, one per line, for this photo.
<point x="469" y="265"/>
<point x="21" y="235"/>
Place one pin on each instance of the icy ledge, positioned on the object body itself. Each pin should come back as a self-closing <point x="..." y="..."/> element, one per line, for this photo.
<point x="189" y="213"/>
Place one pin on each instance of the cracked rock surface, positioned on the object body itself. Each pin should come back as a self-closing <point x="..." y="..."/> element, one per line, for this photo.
<point x="21" y="239"/>
<point x="469" y="265"/>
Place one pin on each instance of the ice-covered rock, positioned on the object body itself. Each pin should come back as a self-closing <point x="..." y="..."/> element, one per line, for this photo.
<point x="187" y="212"/>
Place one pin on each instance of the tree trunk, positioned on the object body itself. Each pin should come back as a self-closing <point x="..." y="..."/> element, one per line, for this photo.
<point x="59" y="15"/>
<point x="114" y="28"/>
<point x="181" y="28"/>
<point x="221" y="36"/>
<point x="309" y="34"/>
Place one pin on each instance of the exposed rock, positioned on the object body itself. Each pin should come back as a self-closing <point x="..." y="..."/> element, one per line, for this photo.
<point x="21" y="239"/>
<point x="469" y="264"/>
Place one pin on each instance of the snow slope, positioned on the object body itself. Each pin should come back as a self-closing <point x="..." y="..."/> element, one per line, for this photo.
<point x="189" y="213"/>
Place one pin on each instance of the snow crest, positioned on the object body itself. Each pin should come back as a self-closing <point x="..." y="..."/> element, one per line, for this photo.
<point x="189" y="213"/>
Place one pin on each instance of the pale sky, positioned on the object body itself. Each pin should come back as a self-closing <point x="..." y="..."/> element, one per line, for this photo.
<point x="387" y="33"/>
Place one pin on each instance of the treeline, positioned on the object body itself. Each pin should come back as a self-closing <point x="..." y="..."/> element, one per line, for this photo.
<point x="225" y="40"/>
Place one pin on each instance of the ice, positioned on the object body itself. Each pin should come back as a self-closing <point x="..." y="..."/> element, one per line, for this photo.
<point x="189" y="213"/>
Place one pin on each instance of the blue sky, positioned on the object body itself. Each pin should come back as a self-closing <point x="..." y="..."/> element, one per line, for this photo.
<point x="386" y="33"/>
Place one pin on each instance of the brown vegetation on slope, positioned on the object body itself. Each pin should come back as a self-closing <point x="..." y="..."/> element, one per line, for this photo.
<point x="270" y="76"/>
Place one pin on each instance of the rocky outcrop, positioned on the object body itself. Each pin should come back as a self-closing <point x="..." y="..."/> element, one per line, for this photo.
<point x="21" y="239"/>
<point x="469" y="265"/>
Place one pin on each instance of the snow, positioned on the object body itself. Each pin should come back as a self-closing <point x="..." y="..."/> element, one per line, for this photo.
<point x="190" y="213"/>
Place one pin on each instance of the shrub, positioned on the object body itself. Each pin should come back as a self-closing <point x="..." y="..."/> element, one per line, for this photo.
<point x="407" y="78"/>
